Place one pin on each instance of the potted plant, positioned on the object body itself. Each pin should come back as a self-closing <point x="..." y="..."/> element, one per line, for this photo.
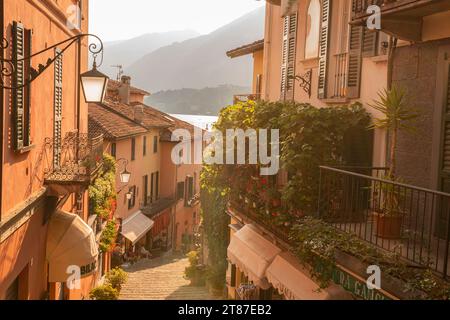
<point x="216" y="281"/>
<point x="116" y="278"/>
<point x="397" y="116"/>
<point x="195" y="272"/>
<point x="275" y="197"/>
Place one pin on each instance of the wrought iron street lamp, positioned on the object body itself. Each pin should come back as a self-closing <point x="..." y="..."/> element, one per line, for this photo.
<point x="125" y="175"/>
<point x="94" y="82"/>
<point x="94" y="85"/>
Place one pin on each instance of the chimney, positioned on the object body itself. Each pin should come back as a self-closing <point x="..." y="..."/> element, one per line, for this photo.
<point x="138" y="113"/>
<point x="124" y="89"/>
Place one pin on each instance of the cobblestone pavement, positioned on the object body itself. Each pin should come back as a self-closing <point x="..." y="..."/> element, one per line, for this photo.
<point x="161" y="279"/>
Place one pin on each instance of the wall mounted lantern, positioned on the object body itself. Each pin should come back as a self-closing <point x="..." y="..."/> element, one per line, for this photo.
<point x="94" y="82"/>
<point x="125" y="175"/>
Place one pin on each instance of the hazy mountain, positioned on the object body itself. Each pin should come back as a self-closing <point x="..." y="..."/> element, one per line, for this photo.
<point x="206" y="101"/>
<point x="126" y="52"/>
<point x="201" y="62"/>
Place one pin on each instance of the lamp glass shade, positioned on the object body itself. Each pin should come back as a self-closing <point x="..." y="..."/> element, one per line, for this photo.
<point x="129" y="195"/>
<point x="94" y="85"/>
<point x="125" y="177"/>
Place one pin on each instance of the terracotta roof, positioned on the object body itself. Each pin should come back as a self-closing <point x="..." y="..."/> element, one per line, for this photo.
<point x="114" y="85"/>
<point x="148" y="121"/>
<point x="175" y="123"/>
<point x="111" y="124"/>
<point x="246" y="49"/>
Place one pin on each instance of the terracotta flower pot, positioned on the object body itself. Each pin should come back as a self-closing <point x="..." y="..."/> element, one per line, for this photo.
<point x="276" y="203"/>
<point x="389" y="226"/>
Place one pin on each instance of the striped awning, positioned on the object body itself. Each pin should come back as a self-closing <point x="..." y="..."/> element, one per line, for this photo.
<point x="136" y="227"/>
<point x="70" y="243"/>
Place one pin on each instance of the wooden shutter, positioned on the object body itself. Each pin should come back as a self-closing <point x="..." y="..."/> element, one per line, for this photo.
<point x="288" y="57"/>
<point x="370" y="42"/>
<point x="157" y="186"/>
<point x="323" y="51"/>
<point x="354" y="61"/>
<point x="152" y="185"/>
<point x="57" y="108"/>
<point x="18" y="96"/>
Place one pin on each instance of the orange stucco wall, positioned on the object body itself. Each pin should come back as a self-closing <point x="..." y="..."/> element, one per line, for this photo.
<point x="141" y="166"/>
<point x="258" y="67"/>
<point x="23" y="252"/>
<point x="171" y="174"/>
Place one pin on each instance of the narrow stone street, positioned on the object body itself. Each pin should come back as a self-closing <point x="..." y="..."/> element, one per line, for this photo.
<point x="161" y="279"/>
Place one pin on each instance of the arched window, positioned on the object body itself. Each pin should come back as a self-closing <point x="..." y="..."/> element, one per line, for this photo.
<point x="313" y="30"/>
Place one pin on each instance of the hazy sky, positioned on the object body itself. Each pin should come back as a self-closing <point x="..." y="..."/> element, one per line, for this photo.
<point x="124" y="19"/>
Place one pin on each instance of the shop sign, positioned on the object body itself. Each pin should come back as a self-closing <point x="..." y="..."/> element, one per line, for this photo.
<point x="354" y="284"/>
<point x="88" y="269"/>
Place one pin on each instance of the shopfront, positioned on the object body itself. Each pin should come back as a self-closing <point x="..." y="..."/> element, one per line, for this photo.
<point x="134" y="230"/>
<point x="260" y="270"/>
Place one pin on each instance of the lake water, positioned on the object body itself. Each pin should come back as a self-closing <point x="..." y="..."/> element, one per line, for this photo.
<point x="204" y="122"/>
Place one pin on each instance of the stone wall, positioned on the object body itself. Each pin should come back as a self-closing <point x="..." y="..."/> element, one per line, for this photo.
<point x="415" y="68"/>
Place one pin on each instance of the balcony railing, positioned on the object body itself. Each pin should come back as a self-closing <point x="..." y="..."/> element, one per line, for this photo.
<point x="77" y="158"/>
<point x="396" y="6"/>
<point x="410" y="221"/>
<point x="153" y="209"/>
<point x="249" y="207"/>
<point x="340" y="75"/>
<point x="246" y="97"/>
<point x="193" y="201"/>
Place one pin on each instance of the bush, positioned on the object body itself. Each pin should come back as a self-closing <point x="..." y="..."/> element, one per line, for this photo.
<point x="190" y="271"/>
<point x="116" y="278"/>
<point x="104" y="292"/>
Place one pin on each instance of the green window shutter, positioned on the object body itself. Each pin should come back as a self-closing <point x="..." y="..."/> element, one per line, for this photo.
<point x="323" y="51"/>
<point x="18" y="96"/>
<point x="57" y="108"/>
<point x="370" y="42"/>
<point x="354" y="61"/>
<point x="288" y="56"/>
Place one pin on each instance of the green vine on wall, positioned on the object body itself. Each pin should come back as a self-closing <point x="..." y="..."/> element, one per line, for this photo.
<point x="102" y="193"/>
<point x="102" y="201"/>
<point x="108" y="236"/>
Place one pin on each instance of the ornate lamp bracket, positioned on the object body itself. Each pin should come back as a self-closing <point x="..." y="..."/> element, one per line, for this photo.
<point x="305" y="81"/>
<point x="8" y="67"/>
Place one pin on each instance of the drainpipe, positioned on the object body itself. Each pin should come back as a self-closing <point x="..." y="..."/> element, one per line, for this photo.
<point x="174" y="220"/>
<point x="267" y="51"/>
<point x="2" y="25"/>
<point x="391" y="55"/>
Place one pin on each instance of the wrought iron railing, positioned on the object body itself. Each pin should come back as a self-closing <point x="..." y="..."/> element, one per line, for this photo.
<point x="249" y="206"/>
<point x="152" y="209"/>
<point x="407" y="220"/>
<point x="246" y="97"/>
<point x="360" y="6"/>
<point x="76" y="158"/>
<point x="340" y="75"/>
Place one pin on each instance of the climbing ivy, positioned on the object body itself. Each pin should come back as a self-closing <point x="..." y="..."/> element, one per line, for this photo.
<point x="102" y="193"/>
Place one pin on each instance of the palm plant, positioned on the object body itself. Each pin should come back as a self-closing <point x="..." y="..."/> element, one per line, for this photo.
<point x="397" y="116"/>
